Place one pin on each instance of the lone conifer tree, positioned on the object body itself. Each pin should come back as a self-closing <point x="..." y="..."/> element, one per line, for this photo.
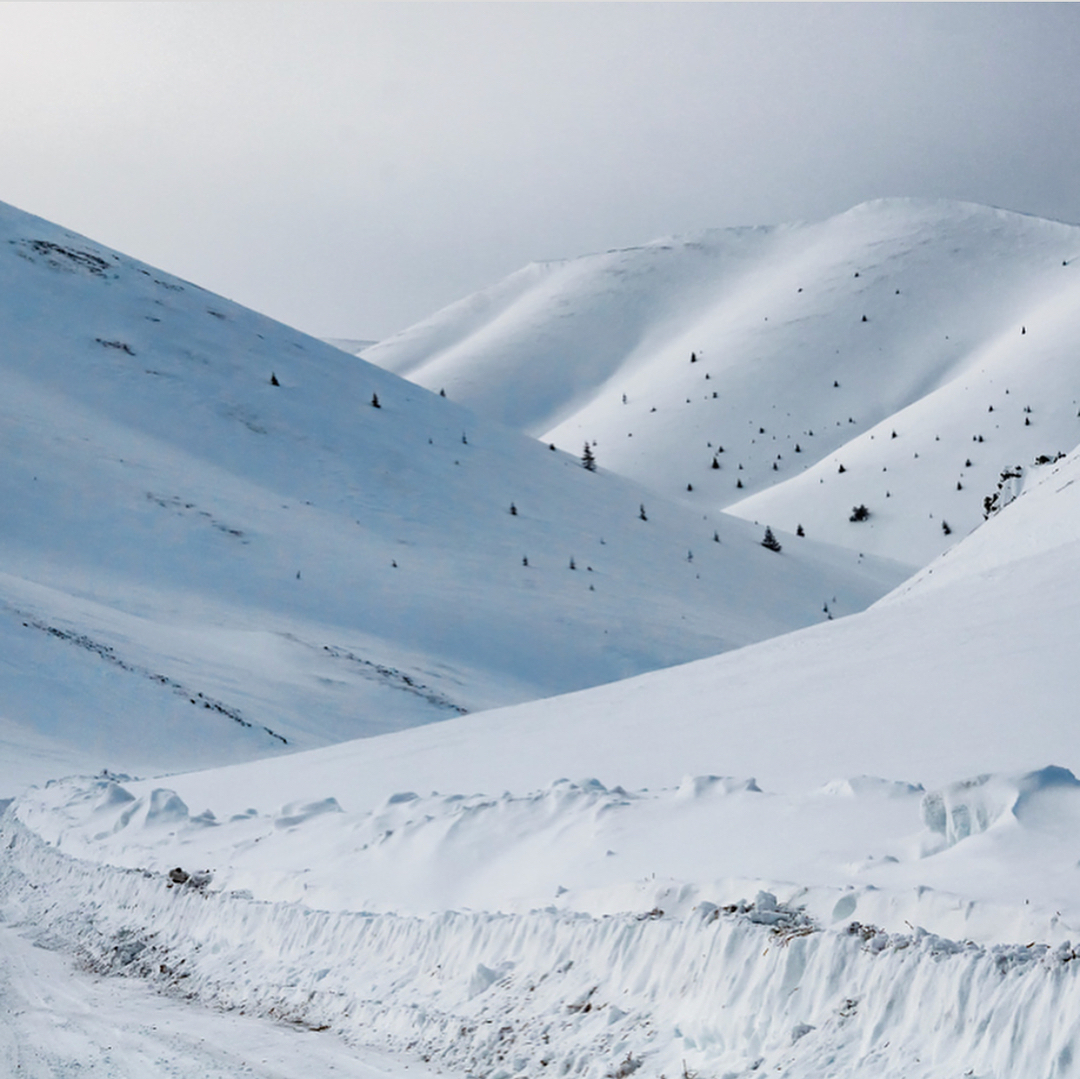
<point x="273" y="379"/>
<point x="641" y="512"/>
<point x="770" y="540"/>
<point x="375" y="401"/>
<point x="588" y="459"/>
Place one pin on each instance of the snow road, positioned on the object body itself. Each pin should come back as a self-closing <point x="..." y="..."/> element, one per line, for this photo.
<point x="57" y="1021"/>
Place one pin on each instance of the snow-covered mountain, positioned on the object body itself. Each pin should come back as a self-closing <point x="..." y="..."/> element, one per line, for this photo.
<point x="899" y="356"/>
<point x="216" y="547"/>
<point x="848" y="849"/>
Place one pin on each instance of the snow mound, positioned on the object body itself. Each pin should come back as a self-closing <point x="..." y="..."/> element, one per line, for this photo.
<point x="972" y="806"/>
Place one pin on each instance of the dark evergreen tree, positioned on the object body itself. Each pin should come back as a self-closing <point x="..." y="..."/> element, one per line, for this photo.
<point x="859" y="513"/>
<point x="770" y="540"/>
<point x="375" y="401"/>
<point x="715" y="463"/>
<point x="799" y="530"/>
<point x="588" y="459"/>
<point x="273" y="379"/>
<point x="641" y="512"/>
<point x="572" y="563"/>
<point x="513" y="510"/>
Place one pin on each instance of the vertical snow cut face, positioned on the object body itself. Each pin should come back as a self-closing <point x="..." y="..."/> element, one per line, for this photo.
<point x="732" y="989"/>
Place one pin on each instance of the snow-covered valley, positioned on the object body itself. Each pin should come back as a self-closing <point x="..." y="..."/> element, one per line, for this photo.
<point x="842" y="841"/>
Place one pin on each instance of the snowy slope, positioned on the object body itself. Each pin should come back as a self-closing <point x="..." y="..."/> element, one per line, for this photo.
<point x="215" y="547"/>
<point x="967" y="671"/>
<point x="894" y="893"/>
<point x="813" y="343"/>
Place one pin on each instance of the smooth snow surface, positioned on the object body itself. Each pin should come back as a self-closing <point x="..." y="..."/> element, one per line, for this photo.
<point x="953" y="325"/>
<point x="201" y="566"/>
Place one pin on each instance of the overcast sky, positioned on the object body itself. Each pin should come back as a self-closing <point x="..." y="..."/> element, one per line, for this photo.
<point x="350" y="168"/>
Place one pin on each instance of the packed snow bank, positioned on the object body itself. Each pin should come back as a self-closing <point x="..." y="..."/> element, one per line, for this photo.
<point x="989" y="858"/>
<point x="744" y="988"/>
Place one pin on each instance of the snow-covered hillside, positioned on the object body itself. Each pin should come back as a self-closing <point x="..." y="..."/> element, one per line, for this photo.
<point x="850" y="850"/>
<point x="215" y="547"/>
<point x="899" y="357"/>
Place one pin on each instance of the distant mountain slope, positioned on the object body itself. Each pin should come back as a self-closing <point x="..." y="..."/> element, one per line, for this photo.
<point x="215" y="541"/>
<point x="812" y="344"/>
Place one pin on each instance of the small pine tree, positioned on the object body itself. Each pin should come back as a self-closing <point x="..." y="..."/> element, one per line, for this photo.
<point x="525" y="560"/>
<point x="375" y="401"/>
<point x="573" y="565"/>
<point x="945" y="528"/>
<point x="693" y="357"/>
<point x="738" y="484"/>
<point x="273" y="379"/>
<point x="464" y="440"/>
<point x="588" y="459"/>
<point x="770" y="540"/>
<point x="798" y="448"/>
<point x="689" y="486"/>
<point x="715" y="463"/>
<point x="641" y="512"/>
<point x="859" y="513"/>
<point x="689" y="556"/>
<point x="513" y="510"/>
<point x="774" y="468"/>
<point x="442" y="393"/>
<point x="799" y="530"/>
<point x="841" y="469"/>
<point x="716" y="537"/>
<point x="959" y="485"/>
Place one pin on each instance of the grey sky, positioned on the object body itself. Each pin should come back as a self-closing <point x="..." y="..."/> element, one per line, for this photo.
<point x="349" y="168"/>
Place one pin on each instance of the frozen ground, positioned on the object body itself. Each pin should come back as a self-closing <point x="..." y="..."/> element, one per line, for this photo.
<point x="60" y="1021"/>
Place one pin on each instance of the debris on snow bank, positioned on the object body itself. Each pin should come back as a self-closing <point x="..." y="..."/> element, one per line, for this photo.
<point x="750" y="987"/>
